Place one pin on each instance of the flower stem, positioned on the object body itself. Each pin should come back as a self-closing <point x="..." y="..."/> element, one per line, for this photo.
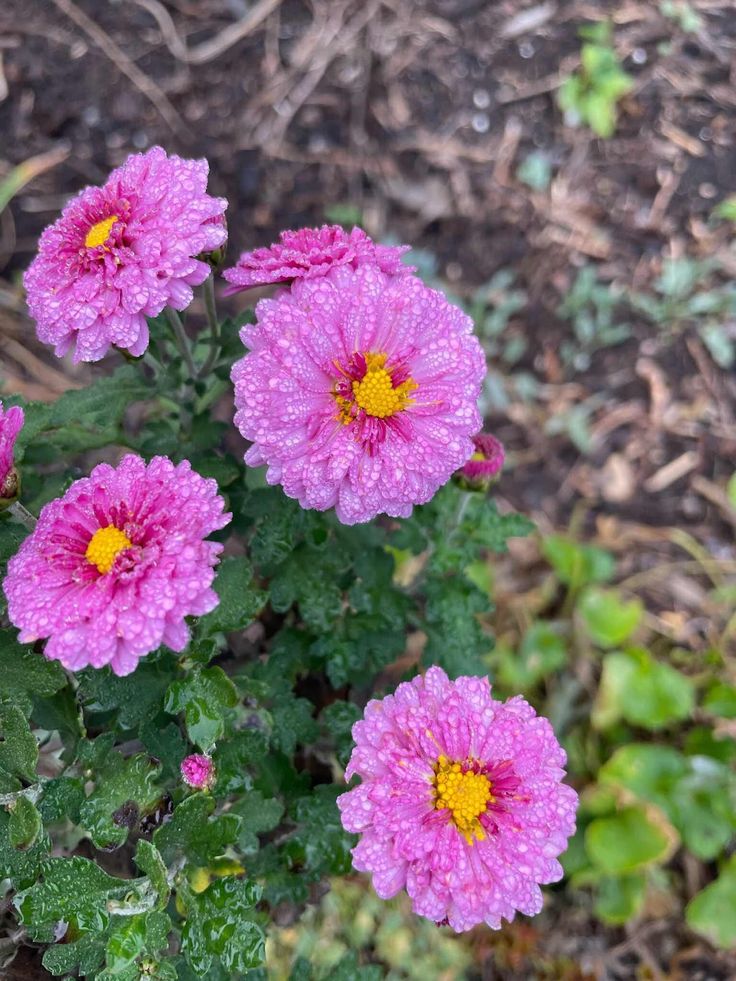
<point x="214" y="323"/>
<point x="181" y="339"/>
<point x="23" y="515"/>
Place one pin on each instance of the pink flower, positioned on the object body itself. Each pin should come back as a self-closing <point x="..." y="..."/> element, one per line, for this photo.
<point x="485" y="464"/>
<point x="198" y="771"/>
<point x="312" y="252"/>
<point x="461" y="802"/>
<point x="359" y="392"/>
<point x="115" y="565"/>
<point x="11" y="423"/>
<point x="122" y="252"/>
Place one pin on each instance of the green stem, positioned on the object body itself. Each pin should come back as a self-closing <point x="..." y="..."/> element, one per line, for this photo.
<point x="182" y="340"/>
<point x="23" y="515"/>
<point x="214" y="323"/>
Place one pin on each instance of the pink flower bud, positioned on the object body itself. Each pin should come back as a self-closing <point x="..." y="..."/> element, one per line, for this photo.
<point x="198" y="771"/>
<point x="11" y="423"/>
<point x="479" y="472"/>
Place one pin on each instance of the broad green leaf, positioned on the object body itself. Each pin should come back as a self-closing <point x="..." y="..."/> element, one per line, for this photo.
<point x="542" y="652"/>
<point x="577" y="565"/>
<point x="645" y="692"/>
<point x="721" y="700"/>
<point x="648" y="770"/>
<point x="240" y="600"/>
<point x="713" y="911"/>
<point x="125" y="791"/>
<point x="192" y="832"/>
<point x="25" y="824"/>
<point x="81" y="956"/>
<point x="25" y="674"/>
<point x="627" y="841"/>
<point x="608" y="619"/>
<point x="135" y="697"/>
<point x="219" y="925"/>
<point x="204" y="697"/>
<point x="74" y="890"/>
<point x="320" y="843"/>
<point x="620" y="898"/>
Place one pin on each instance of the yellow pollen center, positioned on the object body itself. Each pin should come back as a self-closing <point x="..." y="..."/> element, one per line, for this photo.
<point x="375" y="393"/>
<point x="465" y="795"/>
<point x="478" y="456"/>
<point x="104" y="547"/>
<point x="99" y="233"/>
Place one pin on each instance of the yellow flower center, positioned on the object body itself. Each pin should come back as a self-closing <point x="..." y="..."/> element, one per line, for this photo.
<point x="105" y="546"/>
<point x="375" y="392"/>
<point x="99" y="233"/>
<point x="478" y="456"/>
<point x="466" y="795"/>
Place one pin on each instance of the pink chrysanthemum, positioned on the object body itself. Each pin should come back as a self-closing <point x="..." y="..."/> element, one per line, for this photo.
<point x="461" y="802"/>
<point x="311" y="252"/>
<point x="122" y="252"/>
<point x="11" y="423"/>
<point x="485" y="464"/>
<point x="115" y="565"/>
<point x="359" y="391"/>
<point x="198" y="771"/>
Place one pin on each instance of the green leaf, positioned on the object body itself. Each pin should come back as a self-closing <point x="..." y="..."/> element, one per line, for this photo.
<point x="577" y="565"/>
<point x="26" y="674"/>
<point x="146" y="933"/>
<point x="74" y="890"/>
<point x="293" y="722"/>
<point x="257" y="815"/>
<point x="25" y="824"/>
<point x="234" y="756"/>
<point x="194" y="833"/>
<point x="320" y="843"/>
<point x="219" y="925"/>
<point x="608" y="619"/>
<point x="149" y="861"/>
<point x="646" y="769"/>
<point x="18" y="747"/>
<point x="339" y="719"/>
<point x="125" y="790"/>
<point x="240" y="600"/>
<point x="721" y="700"/>
<point x="455" y="639"/>
<point x="308" y="578"/>
<point x="85" y="954"/>
<point x="626" y="842"/>
<point x="204" y="697"/>
<point x="731" y="490"/>
<point x="135" y="697"/>
<point x="713" y="911"/>
<point x="620" y="898"/>
<point x="22" y="867"/>
<point x="542" y="652"/>
<point x="641" y="690"/>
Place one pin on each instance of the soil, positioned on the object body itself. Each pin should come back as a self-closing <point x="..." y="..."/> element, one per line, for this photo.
<point x="416" y="116"/>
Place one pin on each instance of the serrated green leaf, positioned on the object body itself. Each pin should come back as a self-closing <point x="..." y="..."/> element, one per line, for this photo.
<point x="455" y="639"/>
<point x="194" y="833"/>
<point x="22" y="867"/>
<point x="320" y="843"/>
<point x="25" y="824"/>
<point x="85" y="955"/>
<point x="204" y="697"/>
<point x="145" y="933"/>
<point x="26" y="674"/>
<point x="240" y="600"/>
<point x="18" y="747"/>
<point x="149" y="861"/>
<point x="257" y="816"/>
<point x="219" y="925"/>
<point x="74" y="890"/>
<point x="308" y="578"/>
<point x="339" y="719"/>
<point x="125" y="790"/>
<point x="135" y="697"/>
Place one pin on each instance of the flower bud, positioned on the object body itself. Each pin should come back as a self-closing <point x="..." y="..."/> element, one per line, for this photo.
<point x="11" y="423"/>
<point x="198" y="771"/>
<point x="484" y="466"/>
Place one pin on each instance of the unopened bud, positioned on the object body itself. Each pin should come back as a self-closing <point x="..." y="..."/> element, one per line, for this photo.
<point x="198" y="771"/>
<point x="484" y="466"/>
